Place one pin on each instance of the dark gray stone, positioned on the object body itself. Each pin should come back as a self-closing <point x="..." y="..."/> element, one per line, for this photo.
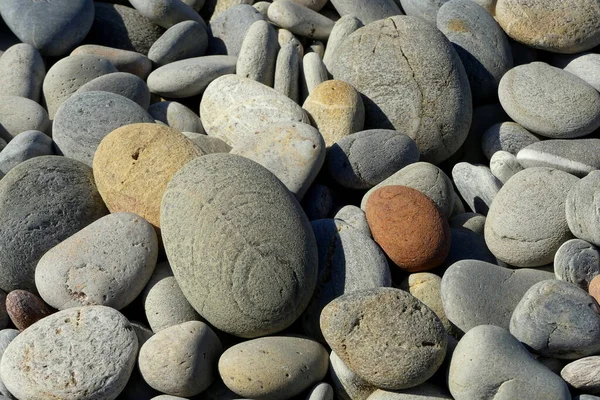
<point x="26" y="145"/>
<point x="577" y="262"/>
<point x="122" y="83"/>
<point x="317" y="202"/>
<point x="228" y="29"/>
<point x="575" y="156"/>
<point x="186" y="39"/>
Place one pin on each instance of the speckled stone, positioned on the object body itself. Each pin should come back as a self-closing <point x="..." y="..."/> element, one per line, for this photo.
<point x="347" y="385"/>
<point x="22" y="72"/>
<point x="122" y="83"/>
<point x="123" y="60"/>
<point x="476" y="185"/>
<point x="287" y="71"/>
<point x="18" y="114"/>
<point x="581" y="206"/>
<point x="583" y="374"/>
<point x="575" y="156"/>
<point x="426" y="287"/>
<point x="166" y="13"/>
<point x="506" y="136"/>
<point x="187" y="39"/>
<point x="177" y="116"/>
<point x="25" y="308"/>
<point x="300" y="20"/>
<point x="343" y="27"/>
<point x="577" y="262"/>
<point x="258" y="54"/>
<point x="583" y="65"/>
<point x="227" y="29"/>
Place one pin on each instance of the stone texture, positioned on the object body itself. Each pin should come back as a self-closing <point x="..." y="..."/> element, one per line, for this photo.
<point x="6" y="336"/>
<point x="187" y="39"/>
<point x="18" y="114"/>
<point x="575" y="156"/>
<point x="207" y="144"/>
<point x="504" y="165"/>
<point x="22" y="72"/>
<point x="476" y="185"/>
<point x="313" y="73"/>
<point x="594" y="288"/>
<point x="25" y="308"/>
<point x="583" y="374"/>
<point x="577" y="262"/>
<point x="369" y="11"/>
<point x="426" y="10"/>
<point x="287" y="71"/>
<point x="300" y="20"/>
<point x="425" y="391"/>
<point x="347" y="385"/>
<point x="227" y="29"/>
<point x="177" y="116"/>
<point x="26" y="145"/>
<point x="166" y="13"/>
<point x="123" y="60"/>
<point x="426" y="287"/>
<point x="506" y="136"/>
<point x="258" y="54"/>
<point x="471" y="221"/>
<point x="581" y="208"/>
<point x="121" y="83"/>
<point x="355" y="218"/>
<point x="583" y="65"/>
<point x="343" y="27"/>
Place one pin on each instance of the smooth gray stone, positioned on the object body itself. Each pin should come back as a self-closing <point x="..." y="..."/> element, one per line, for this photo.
<point x="129" y="30"/>
<point x="425" y="391"/>
<point x="586" y="397"/>
<point x="365" y="159"/>
<point x="18" y="114"/>
<point x="180" y="360"/>
<point x="549" y="101"/>
<point x="287" y="72"/>
<point x="557" y="319"/>
<point x="2" y="144"/>
<point x="506" y="136"/>
<point x="43" y="201"/>
<point x="262" y="7"/>
<point x="54" y="28"/>
<point x="489" y="362"/>
<point x="348" y="261"/>
<point x="186" y="78"/>
<point x="86" y="118"/>
<point x="253" y="221"/>
<point x="166" y="13"/>
<point x="504" y="165"/>
<point x="26" y="145"/>
<point x="583" y="374"/>
<point x="317" y="202"/>
<point x="107" y="263"/>
<point x="208" y="144"/>
<point x="575" y="156"/>
<point x="322" y="391"/>
<point x="187" y="39"/>
<point x="121" y="83"/>
<point x="467" y="245"/>
<point x="355" y="217"/>
<point x="347" y="385"/>
<point x="22" y="72"/>
<point x="424" y="94"/>
<point x="583" y="65"/>
<point x="471" y="221"/>
<point x="90" y="353"/>
<point x="177" y="116"/>
<point x="527" y="223"/>
<point x="69" y="74"/>
<point x="341" y="30"/>
<point x="123" y="60"/>
<point x="427" y="179"/>
<point x="228" y="29"/>
<point x="300" y="20"/>
<point x="164" y="303"/>
<point x="313" y="73"/>
<point x="359" y="326"/>
<point x="581" y="208"/>
<point x="258" y="54"/>
<point x="577" y="262"/>
<point x="471" y="29"/>
<point x="425" y="9"/>
<point x="367" y="11"/>
<point x="477" y="185"/>
<point x="6" y="336"/>
<point x="479" y="293"/>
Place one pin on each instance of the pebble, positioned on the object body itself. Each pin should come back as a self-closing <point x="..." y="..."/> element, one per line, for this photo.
<point x="557" y="319"/>
<point x="575" y="156"/>
<point x="584" y="65"/>
<point x="300" y="20"/>
<point x="581" y="208"/>
<point x="506" y="136"/>
<point x="293" y="152"/>
<point x="121" y="83"/>
<point x="262" y="7"/>
<point x="134" y="164"/>
<point x="367" y="12"/>
<point x="207" y="144"/>
<point x="275" y="368"/>
<point x="187" y="39"/>
<point x="519" y="230"/>
<point x="386" y="336"/>
<point x="322" y="391"/>
<point x="164" y="303"/>
<point x="250" y="211"/>
<point x="19" y="114"/>
<point x="177" y="116"/>
<point x="86" y="118"/>
<point x="234" y="108"/>
<point x="552" y="25"/>
<point x="577" y="262"/>
<point x="25" y="308"/>
<point x="471" y="221"/>
<point x="166" y="13"/>
<point x="348" y="261"/>
<point x="287" y="72"/>
<point x="364" y="159"/>
<point x="583" y="374"/>
<point x="54" y="28"/>
<point x="6" y="336"/>
<point x="549" y="101"/>
<point x="342" y="28"/>
<point x="426" y="287"/>
<point x="477" y="185"/>
<point x="107" y="263"/>
<point x="180" y="360"/>
<point x="314" y="73"/>
<point x="228" y="29"/>
<point x="60" y="346"/>
<point x="347" y="385"/>
<point x="471" y="30"/>
<point x="42" y="202"/>
<point x="258" y="54"/>
<point x="69" y="74"/>
<point x="22" y="72"/>
<point x="425" y="391"/>
<point x="355" y="217"/>
<point x="479" y="293"/>
<point x="318" y="47"/>
<point x="123" y="60"/>
<point x="489" y="362"/>
<point x="431" y="100"/>
<point x="504" y="165"/>
<point x="427" y="10"/>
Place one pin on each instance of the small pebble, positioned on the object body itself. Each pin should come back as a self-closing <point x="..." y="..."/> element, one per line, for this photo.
<point x="121" y="83"/>
<point x="477" y="185"/>
<point x="166" y="13"/>
<point x="19" y="114"/>
<point x="177" y="116"/>
<point x="583" y="374"/>
<point x="26" y="145"/>
<point x="300" y="20"/>
<point x="577" y="262"/>
<point x="347" y="384"/>
<point x="25" y="308"/>
<point x="22" y="72"/>
<point x="471" y="221"/>
<point x="123" y="60"/>
<point x="504" y="165"/>
<point x="506" y="136"/>
<point x="187" y="39"/>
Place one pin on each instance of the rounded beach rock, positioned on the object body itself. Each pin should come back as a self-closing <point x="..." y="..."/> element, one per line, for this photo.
<point x="346" y="383"/>
<point x="367" y="12"/>
<point x="228" y="29"/>
<point x="287" y="71"/>
<point x="583" y="65"/>
<point x="519" y="230"/>
<point x="343" y="27"/>
<point x="25" y="308"/>
<point x="121" y="83"/>
<point x="248" y="236"/>
<point x="22" y="72"/>
<point x="166" y="13"/>
<point x="123" y="60"/>
<point x="386" y="336"/>
<point x="59" y="346"/>
<point x="43" y="201"/>
<point x="186" y="39"/>
<point x="504" y="165"/>
<point x="409" y="227"/>
<point x="506" y="136"/>
<point x="583" y="374"/>
<point x="275" y="368"/>
<point x="426" y="287"/>
<point x="26" y="145"/>
<point x="134" y="164"/>
<point x="577" y="262"/>
<point x="425" y="9"/>
<point x="18" y="114"/>
<point x="322" y="391"/>
<point x="581" y="206"/>
<point x="177" y="116"/>
<point x="300" y="20"/>
<point x="575" y="156"/>
<point x="258" y="54"/>
<point x="424" y="94"/>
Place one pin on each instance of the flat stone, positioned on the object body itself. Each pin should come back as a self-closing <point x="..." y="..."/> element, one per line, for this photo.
<point x="300" y="20"/>
<point x="26" y="145"/>
<point x="347" y="385"/>
<point x="477" y="185"/>
<point x="581" y="206"/>
<point x="575" y="156"/>
<point x="583" y="374"/>
<point x="187" y="39"/>
<point x="166" y="13"/>
<point x="342" y="28"/>
<point x="25" y="308"/>
<point x="276" y="368"/>
<point x="228" y="29"/>
<point x="577" y="262"/>
<point x="22" y="72"/>
<point x="506" y="136"/>
<point x="123" y="60"/>
<point x="367" y="12"/>
<point x="504" y="165"/>
<point x="121" y="83"/>
<point x="258" y="54"/>
<point x="479" y="293"/>
<point x="250" y="223"/>
<point x="488" y="359"/>
<point x="18" y="114"/>
<point x="177" y="116"/>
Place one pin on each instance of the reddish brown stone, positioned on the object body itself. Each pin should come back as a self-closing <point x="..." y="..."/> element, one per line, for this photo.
<point x="25" y="308"/>
<point x="409" y="227"/>
<point x="594" y="288"/>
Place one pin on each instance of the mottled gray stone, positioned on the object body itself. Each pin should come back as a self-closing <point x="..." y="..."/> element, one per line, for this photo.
<point x="22" y="72"/>
<point x="244" y="219"/>
<point x="577" y="262"/>
<point x="6" y="336"/>
<point x="54" y="28"/>
<point x="575" y="156"/>
<point x="258" y="54"/>
<point x="187" y="39"/>
<point x="364" y="159"/>
<point x="581" y="208"/>
<point x="43" y="201"/>
<point x="425" y="391"/>
<point x="583" y="374"/>
<point x="228" y="29"/>
<point x="121" y="83"/>
<point x="424" y="93"/>
<point x="123" y="60"/>
<point x="477" y="185"/>
<point x="18" y="114"/>
<point x="479" y="293"/>
<point x="584" y="65"/>
<point x="489" y="362"/>
<point x="86" y="118"/>
<point x="322" y="391"/>
<point x="557" y="319"/>
<point x="26" y="145"/>
<point x="166" y="13"/>
<point x="358" y="327"/>
<point x="314" y="73"/>
<point x="367" y="11"/>
<point x="177" y="116"/>
<point x="506" y="136"/>
<point x="549" y="101"/>
<point x="355" y="217"/>
<point x="287" y="72"/>
<point x="504" y="165"/>
<point x="300" y="20"/>
<point x="347" y="385"/>
<point x="425" y="9"/>
<point x="471" y="221"/>
<point x="59" y="346"/>
<point x="340" y="31"/>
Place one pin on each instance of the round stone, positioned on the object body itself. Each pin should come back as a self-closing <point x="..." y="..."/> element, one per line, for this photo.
<point x="506" y="136"/>
<point x="6" y="336"/>
<point x="504" y="165"/>
<point x="583" y="374"/>
<point x="228" y="29"/>
<point x="322" y="391"/>
<point x="25" y="308"/>
<point x="177" y="116"/>
<point x="577" y="262"/>
<point x="121" y="83"/>
<point x="26" y="145"/>
<point x="409" y="228"/>
<point x="258" y="54"/>
<point x="134" y="164"/>
<point x="471" y="221"/>
<point x="123" y="60"/>
<point x="581" y="206"/>
<point x="18" y="114"/>
<point x="166" y="13"/>
<point x="241" y="248"/>
<point x="55" y="357"/>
